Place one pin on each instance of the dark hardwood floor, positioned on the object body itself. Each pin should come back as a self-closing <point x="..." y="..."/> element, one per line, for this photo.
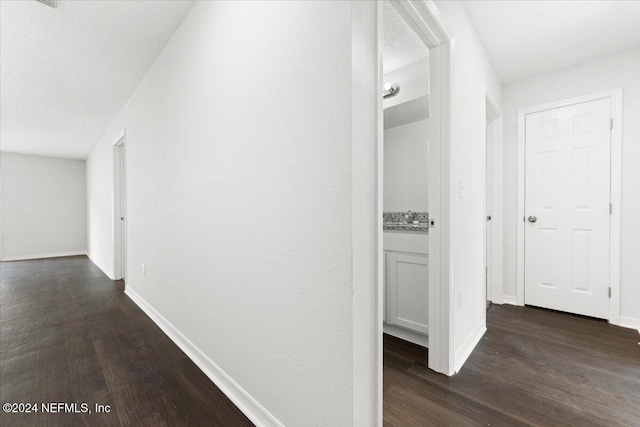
<point x="533" y="367"/>
<point x="69" y="334"/>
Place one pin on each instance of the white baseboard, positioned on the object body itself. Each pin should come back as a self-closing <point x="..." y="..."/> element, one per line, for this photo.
<point x="508" y="299"/>
<point x="105" y="270"/>
<point x="468" y="345"/>
<point x="243" y="400"/>
<point x="629" y="322"/>
<point x="405" y="334"/>
<point x="41" y="256"/>
<point x="625" y="322"/>
<point x="497" y="300"/>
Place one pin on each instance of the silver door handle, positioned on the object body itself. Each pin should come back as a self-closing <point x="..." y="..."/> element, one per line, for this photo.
<point x="532" y="219"/>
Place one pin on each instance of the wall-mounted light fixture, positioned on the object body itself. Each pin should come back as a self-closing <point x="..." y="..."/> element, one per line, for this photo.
<point x="390" y="89"/>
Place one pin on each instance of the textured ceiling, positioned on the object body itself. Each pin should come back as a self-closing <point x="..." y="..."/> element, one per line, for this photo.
<point x="400" y="44"/>
<point x="65" y="73"/>
<point x="524" y="38"/>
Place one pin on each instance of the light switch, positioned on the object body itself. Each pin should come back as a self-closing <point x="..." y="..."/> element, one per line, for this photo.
<point x="460" y="189"/>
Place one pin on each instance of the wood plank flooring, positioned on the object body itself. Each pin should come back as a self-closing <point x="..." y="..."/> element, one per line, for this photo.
<point x="533" y="367"/>
<point x="69" y="334"/>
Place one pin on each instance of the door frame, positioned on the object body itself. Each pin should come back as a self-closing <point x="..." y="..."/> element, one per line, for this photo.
<point x="616" y="193"/>
<point x="119" y="206"/>
<point x="367" y="162"/>
<point x="424" y="18"/>
<point x="494" y="202"/>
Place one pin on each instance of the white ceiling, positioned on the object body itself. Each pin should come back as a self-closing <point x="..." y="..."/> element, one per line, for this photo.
<point x="523" y="37"/>
<point x="65" y="73"/>
<point x="400" y="44"/>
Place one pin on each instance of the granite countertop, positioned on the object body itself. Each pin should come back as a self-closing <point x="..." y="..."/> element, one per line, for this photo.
<point x="399" y="221"/>
<point x="398" y="226"/>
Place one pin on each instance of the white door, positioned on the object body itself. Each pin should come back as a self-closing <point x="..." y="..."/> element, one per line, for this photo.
<point x="408" y="291"/>
<point x="567" y="202"/>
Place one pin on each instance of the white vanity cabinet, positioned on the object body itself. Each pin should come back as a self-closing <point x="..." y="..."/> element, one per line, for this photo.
<point x="408" y="291"/>
<point x="407" y="286"/>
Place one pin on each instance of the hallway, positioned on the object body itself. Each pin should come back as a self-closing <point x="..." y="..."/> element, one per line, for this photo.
<point x="532" y="367"/>
<point x="69" y="334"/>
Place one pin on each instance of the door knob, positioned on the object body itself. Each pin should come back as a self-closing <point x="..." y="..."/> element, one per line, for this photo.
<point x="532" y="219"/>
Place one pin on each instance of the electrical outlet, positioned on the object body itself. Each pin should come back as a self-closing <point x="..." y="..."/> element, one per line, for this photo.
<point x="47" y="240"/>
<point x="144" y="270"/>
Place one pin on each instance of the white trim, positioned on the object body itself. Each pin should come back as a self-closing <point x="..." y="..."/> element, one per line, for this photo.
<point x="615" y="256"/>
<point x="407" y="335"/>
<point x="424" y="18"/>
<point x="367" y="267"/>
<point x="240" y="397"/>
<point x="629" y="322"/>
<point x="105" y="270"/>
<point x="468" y="345"/>
<point x="520" y="211"/>
<point x="366" y="211"/>
<point x="41" y="256"/>
<point x="488" y="206"/>
<point x="616" y="189"/>
<point x="122" y="137"/>
<point x="117" y="196"/>
<point x="495" y="244"/>
<point x="510" y="299"/>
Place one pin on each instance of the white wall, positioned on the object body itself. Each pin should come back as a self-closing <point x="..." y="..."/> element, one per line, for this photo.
<point x="617" y="71"/>
<point x="43" y="206"/>
<point x="475" y="80"/>
<point x="406" y="152"/>
<point x="100" y="245"/>
<point x="239" y="199"/>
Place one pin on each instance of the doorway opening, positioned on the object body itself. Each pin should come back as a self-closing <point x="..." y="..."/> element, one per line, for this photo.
<point x="367" y="197"/>
<point x="414" y="174"/>
<point x="405" y="63"/>
<point x="120" y="208"/>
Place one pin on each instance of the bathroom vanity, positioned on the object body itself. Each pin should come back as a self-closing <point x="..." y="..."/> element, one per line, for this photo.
<point x="406" y="257"/>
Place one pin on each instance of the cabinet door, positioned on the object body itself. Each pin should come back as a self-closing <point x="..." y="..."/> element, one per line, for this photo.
<point x="408" y="291"/>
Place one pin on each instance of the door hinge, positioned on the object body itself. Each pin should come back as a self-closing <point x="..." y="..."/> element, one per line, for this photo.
<point x="609" y="292"/>
<point x="611" y="124"/>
